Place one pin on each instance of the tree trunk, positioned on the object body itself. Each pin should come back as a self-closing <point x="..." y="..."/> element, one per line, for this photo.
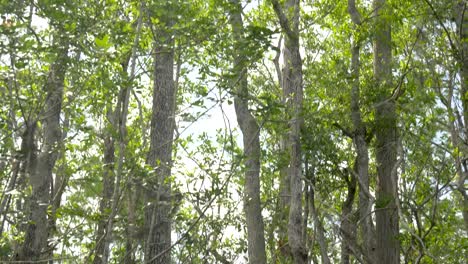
<point x="35" y="243"/>
<point x="58" y="187"/>
<point x="360" y="143"/>
<point x="251" y="141"/>
<point x="320" y="231"/>
<point x="284" y="200"/>
<point x="386" y="145"/>
<point x="158" y="194"/>
<point x="292" y="87"/>
<point x="347" y="224"/>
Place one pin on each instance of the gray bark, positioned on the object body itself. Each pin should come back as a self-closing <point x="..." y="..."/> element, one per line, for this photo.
<point x="283" y="205"/>
<point x="251" y="143"/>
<point x="158" y="196"/>
<point x="58" y="187"/>
<point x="35" y="244"/>
<point x="359" y="140"/>
<point x="292" y="87"/>
<point x="295" y="164"/>
<point x="28" y="160"/>
<point x="387" y="226"/>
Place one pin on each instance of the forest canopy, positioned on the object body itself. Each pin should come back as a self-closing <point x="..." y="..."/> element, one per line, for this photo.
<point x="234" y="131"/>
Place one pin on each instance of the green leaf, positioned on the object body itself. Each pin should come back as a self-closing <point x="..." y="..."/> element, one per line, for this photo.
<point x="103" y="42"/>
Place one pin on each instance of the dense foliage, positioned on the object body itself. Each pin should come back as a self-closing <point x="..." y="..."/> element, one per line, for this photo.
<point x="97" y="96"/>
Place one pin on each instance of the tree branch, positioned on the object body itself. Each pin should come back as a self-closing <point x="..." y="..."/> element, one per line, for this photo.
<point x="284" y="21"/>
<point x="354" y="13"/>
<point x="345" y="131"/>
<point x="452" y="44"/>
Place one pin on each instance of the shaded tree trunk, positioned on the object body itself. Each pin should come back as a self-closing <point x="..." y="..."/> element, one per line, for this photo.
<point x="158" y="194"/>
<point x="251" y="143"/>
<point x="360" y="143"/>
<point x="292" y="87"/>
<point x="347" y="224"/>
<point x="387" y="226"/>
<point x="62" y="176"/>
<point x="319" y="230"/>
<point x="282" y="212"/>
<point x="58" y="187"/>
<point x="35" y="243"/>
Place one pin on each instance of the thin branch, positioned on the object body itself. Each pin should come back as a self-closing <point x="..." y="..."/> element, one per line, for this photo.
<point x="438" y="18"/>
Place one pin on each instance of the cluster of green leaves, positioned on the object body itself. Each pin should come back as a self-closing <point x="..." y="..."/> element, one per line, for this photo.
<point x="207" y="164"/>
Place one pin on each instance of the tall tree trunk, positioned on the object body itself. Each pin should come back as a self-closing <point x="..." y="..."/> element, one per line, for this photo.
<point x="292" y="87"/>
<point x="60" y="181"/>
<point x="101" y="250"/>
<point x="158" y="195"/>
<point x="58" y="186"/>
<point x="387" y="225"/>
<point x="35" y="243"/>
<point x="359" y="140"/>
<point x="251" y="141"/>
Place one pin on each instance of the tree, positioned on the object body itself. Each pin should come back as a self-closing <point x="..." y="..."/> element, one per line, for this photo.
<point x="42" y="166"/>
<point x="116" y="133"/>
<point x="158" y="194"/>
<point x="359" y="136"/>
<point x="251" y="143"/>
<point x="292" y="89"/>
<point x="387" y="227"/>
<point x="119" y="145"/>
